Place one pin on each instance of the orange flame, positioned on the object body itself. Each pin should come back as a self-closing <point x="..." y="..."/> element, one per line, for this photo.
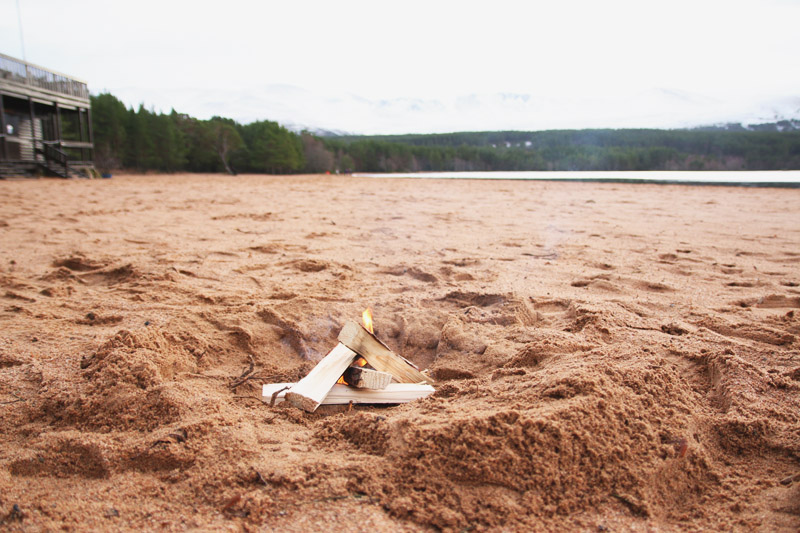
<point x="360" y="361"/>
<point x="366" y="316"/>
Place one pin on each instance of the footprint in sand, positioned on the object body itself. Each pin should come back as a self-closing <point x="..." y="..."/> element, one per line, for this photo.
<point x="452" y="275"/>
<point x="62" y="455"/>
<point x="651" y="286"/>
<point x="742" y="330"/>
<point x="111" y="275"/>
<point x="308" y="265"/>
<point x="599" y="282"/>
<point x="79" y="263"/>
<point x="550" y="306"/>
<point x="772" y="301"/>
<point x="11" y="295"/>
<point x="413" y="272"/>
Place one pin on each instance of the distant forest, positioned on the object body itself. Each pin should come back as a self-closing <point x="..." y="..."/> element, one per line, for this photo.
<point x="142" y="140"/>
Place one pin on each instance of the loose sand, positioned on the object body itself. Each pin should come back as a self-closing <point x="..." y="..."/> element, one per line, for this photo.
<point x="608" y="357"/>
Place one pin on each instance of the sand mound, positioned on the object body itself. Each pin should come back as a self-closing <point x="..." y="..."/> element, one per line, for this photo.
<point x="129" y="382"/>
<point x="567" y="435"/>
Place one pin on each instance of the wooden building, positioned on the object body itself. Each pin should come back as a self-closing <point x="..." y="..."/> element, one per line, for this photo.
<point x="45" y="122"/>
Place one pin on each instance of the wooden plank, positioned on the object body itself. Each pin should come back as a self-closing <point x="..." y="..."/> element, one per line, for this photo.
<point x="366" y="378"/>
<point x="309" y="392"/>
<point x="74" y="144"/>
<point x="42" y="96"/>
<point x="379" y="356"/>
<point x="343" y="394"/>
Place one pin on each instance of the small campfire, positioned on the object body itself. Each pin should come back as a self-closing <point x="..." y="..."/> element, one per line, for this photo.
<point x="360" y="369"/>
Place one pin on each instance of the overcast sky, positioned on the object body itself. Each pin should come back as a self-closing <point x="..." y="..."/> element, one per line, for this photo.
<point x="420" y="66"/>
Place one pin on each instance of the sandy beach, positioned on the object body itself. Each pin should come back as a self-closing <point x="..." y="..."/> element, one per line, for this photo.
<point x="607" y="357"/>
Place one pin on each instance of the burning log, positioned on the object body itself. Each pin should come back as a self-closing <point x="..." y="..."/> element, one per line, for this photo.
<point x="366" y="378"/>
<point x="309" y="392"/>
<point x="379" y="356"/>
<point x="342" y="394"/>
<point x="369" y="385"/>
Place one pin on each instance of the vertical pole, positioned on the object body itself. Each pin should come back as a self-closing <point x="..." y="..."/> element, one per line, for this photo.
<point x="21" y="37"/>
<point x="33" y="127"/>
<point x="59" y="135"/>
<point x="58" y="125"/>
<point x="91" y="135"/>
<point x="80" y="125"/>
<point x="3" y="126"/>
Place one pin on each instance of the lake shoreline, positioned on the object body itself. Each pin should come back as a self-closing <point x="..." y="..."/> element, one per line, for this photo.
<point x="759" y="178"/>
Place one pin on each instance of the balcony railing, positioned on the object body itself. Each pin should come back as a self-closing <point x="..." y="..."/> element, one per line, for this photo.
<point x="25" y="73"/>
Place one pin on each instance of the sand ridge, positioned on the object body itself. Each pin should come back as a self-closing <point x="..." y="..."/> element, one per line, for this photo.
<point x="607" y="356"/>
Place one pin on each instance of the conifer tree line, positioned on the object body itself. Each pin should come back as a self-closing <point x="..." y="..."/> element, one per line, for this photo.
<point x="143" y="140"/>
<point x="140" y="139"/>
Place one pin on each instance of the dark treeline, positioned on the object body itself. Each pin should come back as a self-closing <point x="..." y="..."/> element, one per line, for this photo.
<point x="140" y="139"/>
<point x="764" y="147"/>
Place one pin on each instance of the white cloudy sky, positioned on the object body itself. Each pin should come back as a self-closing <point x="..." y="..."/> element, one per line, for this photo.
<point x="421" y="66"/>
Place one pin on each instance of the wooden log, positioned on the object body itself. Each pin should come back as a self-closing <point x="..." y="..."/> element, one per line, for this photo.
<point x="309" y="392"/>
<point x="366" y="378"/>
<point x="379" y="356"/>
<point x="344" y="394"/>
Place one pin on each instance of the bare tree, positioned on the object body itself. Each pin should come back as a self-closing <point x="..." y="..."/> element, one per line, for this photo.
<point x="318" y="158"/>
<point x="227" y="140"/>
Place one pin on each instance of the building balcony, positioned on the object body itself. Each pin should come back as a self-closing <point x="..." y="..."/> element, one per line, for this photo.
<point x="27" y="79"/>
